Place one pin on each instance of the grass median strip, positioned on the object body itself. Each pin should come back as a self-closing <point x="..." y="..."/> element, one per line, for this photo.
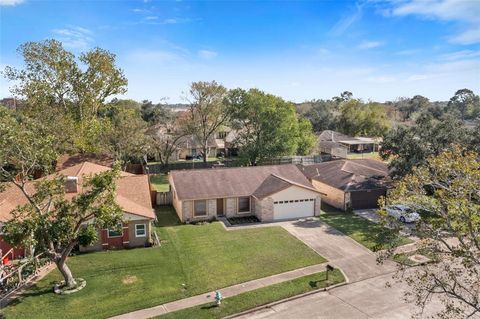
<point x="259" y="297"/>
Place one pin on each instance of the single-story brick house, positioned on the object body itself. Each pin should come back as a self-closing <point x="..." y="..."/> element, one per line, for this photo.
<point x="270" y="193"/>
<point x="349" y="183"/>
<point x="133" y="195"/>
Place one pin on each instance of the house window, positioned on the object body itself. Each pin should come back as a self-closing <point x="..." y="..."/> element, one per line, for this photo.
<point x="112" y="233"/>
<point x="244" y="204"/>
<point x="200" y="208"/>
<point x="141" y="230"/>
<point x="222" y="135"/>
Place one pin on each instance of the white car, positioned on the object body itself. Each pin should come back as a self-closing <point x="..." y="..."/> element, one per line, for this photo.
<point x="403" y="213"/>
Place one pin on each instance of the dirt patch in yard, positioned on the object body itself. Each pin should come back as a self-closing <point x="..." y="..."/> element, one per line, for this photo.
<point x="128" y="280"/>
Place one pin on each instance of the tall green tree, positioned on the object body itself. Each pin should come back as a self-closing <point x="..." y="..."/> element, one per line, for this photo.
<point x="321" y="113"/>
<point x="124" y="133"/>
<point x="413" y="105"/>
<point x="306" y="140"/>
<point x="155" y="113"/>
<point x="267" y="126"/>
<point x="357" y="118"/>
<point x="48" y="221"/>
<point x="446" y="187"/>
<point x="208" y="111"/>
<point x="408" y="147"/>
<point x="66" y="91"/>
<point x="466" y="103"/>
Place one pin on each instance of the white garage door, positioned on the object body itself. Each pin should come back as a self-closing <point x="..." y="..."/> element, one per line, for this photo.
<point x="291" y="209"/>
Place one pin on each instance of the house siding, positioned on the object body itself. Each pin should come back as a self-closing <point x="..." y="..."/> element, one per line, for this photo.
<point x="127" y="240"/>
<point x="231" y="207"/>
<point x="138" y="241"/>
<point x="265" y="211"/>
<point x="335" y="197"/>
<point x="177" y="204"/>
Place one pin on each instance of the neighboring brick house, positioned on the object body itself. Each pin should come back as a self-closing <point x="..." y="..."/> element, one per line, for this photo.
<point x="270" y="193"/>
<point x="133" y="195"/>
<point x="349" y="183"/>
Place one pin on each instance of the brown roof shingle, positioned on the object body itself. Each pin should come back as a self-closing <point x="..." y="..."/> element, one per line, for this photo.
<point x="349" y="175"/>
<point x="258" y="181"/>
<point x="133" y="191"/>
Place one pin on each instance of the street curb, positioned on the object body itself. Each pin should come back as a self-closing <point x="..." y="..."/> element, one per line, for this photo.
<point x="269" y="305"/>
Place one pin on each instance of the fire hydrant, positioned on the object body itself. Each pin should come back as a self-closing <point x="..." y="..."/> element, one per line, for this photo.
<point x="218" y="298"/>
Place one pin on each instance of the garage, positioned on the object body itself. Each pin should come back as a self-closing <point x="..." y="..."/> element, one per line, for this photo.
<point x="291" y="209"/>
<point x="366" y="199"/>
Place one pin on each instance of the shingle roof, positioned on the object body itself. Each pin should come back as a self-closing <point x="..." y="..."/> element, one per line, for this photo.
<point x="133" y="191"/>
<point x="349" y="175"/>
<point x="258" y="181"/>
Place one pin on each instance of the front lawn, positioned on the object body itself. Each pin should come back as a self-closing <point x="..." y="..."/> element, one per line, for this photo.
<point x="193" y="259"/>
<point x="369" y="234"/>
<point x="258" y="297"/>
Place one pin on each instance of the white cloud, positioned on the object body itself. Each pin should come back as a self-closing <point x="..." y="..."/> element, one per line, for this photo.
<point x="10" y="2"/>
<point x="151" y="18"/>
<point x="416" y="77"/>
<point x="467" y="12"/>
<point x="408" y="52"/>
<point x="365" y="45"/>
<point x="323" y="51"/>
<point x="74" y="37"/>
<point x="170" y="21"/>
<point x="207" y="54"/>
<point x="381" y="79"/>
<point x="346" y="21"/>
<point x="458" y="55"/>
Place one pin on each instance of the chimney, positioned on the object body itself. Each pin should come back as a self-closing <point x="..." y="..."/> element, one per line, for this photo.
<point x="71" y="184"/>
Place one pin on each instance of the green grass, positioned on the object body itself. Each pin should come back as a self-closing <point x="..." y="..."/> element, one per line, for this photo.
<point x="372" y="155"/>
<point x="203" y="257"/>
<point x="369" y="234"/>
<point x="160" y="182"/>
<point x="258" y="297"/>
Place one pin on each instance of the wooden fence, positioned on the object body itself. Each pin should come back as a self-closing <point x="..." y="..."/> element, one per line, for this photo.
<point x="163" y="198"/>
<point x="306" y="160"/>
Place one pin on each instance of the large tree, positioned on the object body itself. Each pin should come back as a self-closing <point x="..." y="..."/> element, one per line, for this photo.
<point x="48" y="221"/>
<point x="207" y="111"/>
<point x="408" y="147"/>
<point x="168" y="136"/>
<point x="445" y="187"/>
<point x="125" y="133"/>
<point x="65" y="91"/>
<point x="321" y="113"/>
<point x="466" y="103"/>
<point x="415" y="104"/>
<point x="357" y="118"/>
<point x="267" y="126"/>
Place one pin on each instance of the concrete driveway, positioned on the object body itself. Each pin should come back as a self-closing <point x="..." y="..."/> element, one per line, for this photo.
<point x="356" y="261"/>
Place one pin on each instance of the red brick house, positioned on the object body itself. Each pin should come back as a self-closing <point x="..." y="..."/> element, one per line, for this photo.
<point x="133" y="195"/>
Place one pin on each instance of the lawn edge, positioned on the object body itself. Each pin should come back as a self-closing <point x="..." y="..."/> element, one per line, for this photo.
<point x="274" y="303"/>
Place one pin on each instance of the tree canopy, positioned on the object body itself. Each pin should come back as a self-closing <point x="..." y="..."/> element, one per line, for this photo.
<point x="49" y="222"/>
<point x="445" y="189"/>
<point x="267" y="126"/>
<point x="408" y="147"/>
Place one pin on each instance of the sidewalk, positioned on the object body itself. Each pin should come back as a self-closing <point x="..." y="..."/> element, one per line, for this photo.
<point x="226" y="292"/>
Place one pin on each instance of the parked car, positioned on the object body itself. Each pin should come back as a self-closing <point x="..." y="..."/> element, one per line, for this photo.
<point x="403" y="213"/>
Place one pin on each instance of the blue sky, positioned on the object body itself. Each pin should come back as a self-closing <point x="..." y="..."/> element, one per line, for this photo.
<point x="299" y="50"/>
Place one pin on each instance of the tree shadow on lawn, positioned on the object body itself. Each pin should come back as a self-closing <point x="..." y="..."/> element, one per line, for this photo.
<point x="33" y="291"/>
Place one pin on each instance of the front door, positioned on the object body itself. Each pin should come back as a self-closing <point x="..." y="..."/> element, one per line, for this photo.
<point x="220" y="207"/>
